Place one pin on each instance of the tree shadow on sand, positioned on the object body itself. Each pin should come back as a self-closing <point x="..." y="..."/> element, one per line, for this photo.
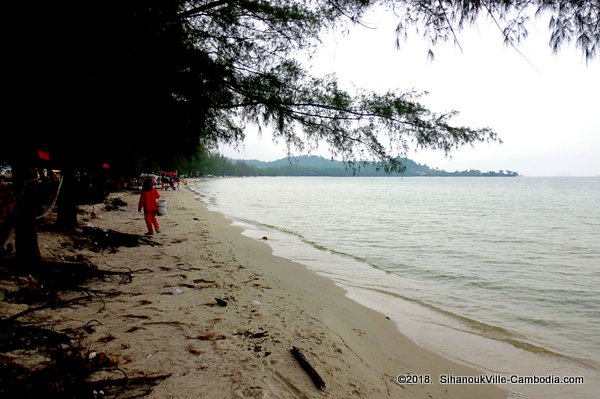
<point x="37" y="359"/>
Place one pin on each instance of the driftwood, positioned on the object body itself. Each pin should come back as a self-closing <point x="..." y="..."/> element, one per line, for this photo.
<point x="308" y="368"/>
<point x="221" y="302"/>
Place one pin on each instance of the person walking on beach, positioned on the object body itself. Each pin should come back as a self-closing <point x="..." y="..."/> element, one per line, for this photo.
<point x="148" y="198"/>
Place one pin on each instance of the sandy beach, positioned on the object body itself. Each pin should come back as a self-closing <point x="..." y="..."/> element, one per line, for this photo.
<point x="216" y="315"/>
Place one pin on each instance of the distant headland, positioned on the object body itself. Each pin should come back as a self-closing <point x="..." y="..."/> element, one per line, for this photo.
<point x="312" y="165"/>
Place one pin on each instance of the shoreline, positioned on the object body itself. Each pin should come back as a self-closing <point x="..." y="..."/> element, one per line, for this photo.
<point x="298" y="277"/>
<point x="446" y="336"/>
<point x="167" y="320"/>
<point x="464" y="341"/>
<point x="492" y="355"/>
<point x="370" y="335"/>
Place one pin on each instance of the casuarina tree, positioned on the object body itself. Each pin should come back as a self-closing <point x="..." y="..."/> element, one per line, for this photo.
<point x="129" y="83"/>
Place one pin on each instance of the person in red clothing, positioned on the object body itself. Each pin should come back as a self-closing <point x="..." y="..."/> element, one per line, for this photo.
<point x="148" y="203"/>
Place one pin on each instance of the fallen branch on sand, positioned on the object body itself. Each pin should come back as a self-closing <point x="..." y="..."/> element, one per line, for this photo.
<point x="308" y="368"/>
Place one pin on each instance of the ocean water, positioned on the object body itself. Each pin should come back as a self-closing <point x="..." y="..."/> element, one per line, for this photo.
<point x="502" y="274"/>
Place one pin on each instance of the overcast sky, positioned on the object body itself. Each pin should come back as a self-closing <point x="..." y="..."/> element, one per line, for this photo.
<point x="545" y="107"/>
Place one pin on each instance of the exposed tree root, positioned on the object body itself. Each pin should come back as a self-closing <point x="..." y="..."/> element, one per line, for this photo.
<point x="37" y="360"/>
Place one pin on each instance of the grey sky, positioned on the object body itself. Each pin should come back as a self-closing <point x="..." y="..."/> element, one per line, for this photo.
<point x="543" y="106"/>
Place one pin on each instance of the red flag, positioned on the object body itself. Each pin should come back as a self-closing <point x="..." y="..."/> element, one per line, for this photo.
<point x="105" y="166"/>
<point x="45" y="155"/>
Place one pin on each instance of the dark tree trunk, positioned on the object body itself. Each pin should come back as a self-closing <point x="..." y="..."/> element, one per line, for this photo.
<point x="27" y="192"/>
<point x="67" y="199"/>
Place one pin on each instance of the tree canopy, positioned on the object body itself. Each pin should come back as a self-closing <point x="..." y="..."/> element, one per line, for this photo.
<point x="117" y="74"/>
<point x="144" y="82"/>
<point x="568" y="21"/>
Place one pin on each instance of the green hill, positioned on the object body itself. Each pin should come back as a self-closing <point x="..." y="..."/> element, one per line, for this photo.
<point x="311" y="165"/>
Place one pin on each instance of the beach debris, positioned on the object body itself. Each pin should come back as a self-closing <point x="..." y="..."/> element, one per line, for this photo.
<point x="306" y="366"/>
<point x="177" y="290"/>
<point x="261" y="334"/>
<point x="221" y="302"/>
<point x="105" y="339"/>
<point x="209" y="337"/>
<point x="99" y="360"/>
<point x="250" y="334"/>
<point x="135" y="316"/>
<point x="202" y="283"/>
<point x="194" y="351"/>
<point x="113" y="204"/>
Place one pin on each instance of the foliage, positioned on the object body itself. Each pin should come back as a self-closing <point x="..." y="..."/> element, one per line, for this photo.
<point x="151" y="80"/>
<point x="254" y="45"/>
<point x="568" y="21"/>
<point x="145" y="82"/>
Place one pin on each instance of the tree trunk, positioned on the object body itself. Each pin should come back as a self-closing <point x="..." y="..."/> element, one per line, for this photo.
<point x="67" y="200"/>
<point x="27" y="192"/>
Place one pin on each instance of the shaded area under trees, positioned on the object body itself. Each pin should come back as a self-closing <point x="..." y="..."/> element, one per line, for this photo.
<point x="146" y="83"/>
<point x="40" y="358"/>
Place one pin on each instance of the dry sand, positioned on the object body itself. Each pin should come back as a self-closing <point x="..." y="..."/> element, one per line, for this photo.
<point x="167" y="320"/>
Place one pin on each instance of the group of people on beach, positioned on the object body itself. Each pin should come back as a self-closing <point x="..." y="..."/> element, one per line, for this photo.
<point x="148" y="202"/>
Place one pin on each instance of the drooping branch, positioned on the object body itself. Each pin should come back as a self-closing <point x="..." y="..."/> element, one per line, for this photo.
<point x="202" y="8"/>
<point x="570" y="20"/>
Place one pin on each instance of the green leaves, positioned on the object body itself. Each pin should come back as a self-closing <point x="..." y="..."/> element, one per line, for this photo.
<point x="200" y="72"/>
<point x="252" y="77"/>
<point x="439" y="21"/>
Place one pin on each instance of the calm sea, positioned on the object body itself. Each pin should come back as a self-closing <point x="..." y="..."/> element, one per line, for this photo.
<point x="499" y="273"/>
